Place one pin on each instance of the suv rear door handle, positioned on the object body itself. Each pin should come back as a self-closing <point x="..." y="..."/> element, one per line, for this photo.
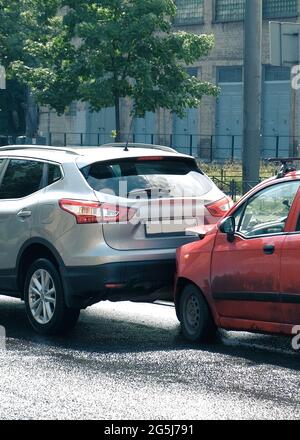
<point x="24" y="213"/>
<point x="269" y="249"/>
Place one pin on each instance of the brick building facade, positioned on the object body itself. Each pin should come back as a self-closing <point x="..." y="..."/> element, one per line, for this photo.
<point x="215" y="129"/>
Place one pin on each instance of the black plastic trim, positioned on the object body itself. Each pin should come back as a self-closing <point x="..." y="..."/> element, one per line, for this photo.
<point x="87" y="284"/>
<point x="284" y="298"/>
<point x="247" y="296"/>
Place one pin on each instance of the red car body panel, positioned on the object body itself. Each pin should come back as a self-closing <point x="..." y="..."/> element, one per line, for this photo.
<point x="246" y="275"/>
<point x="190" y="257"/>
<point x="290" y="269"/>
<point x="245" y="288"/>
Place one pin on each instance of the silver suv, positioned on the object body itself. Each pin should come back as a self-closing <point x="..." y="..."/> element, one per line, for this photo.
<point x="78" y="226"/>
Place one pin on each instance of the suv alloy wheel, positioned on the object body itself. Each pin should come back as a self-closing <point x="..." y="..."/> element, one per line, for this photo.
<point x="44" y="299"/>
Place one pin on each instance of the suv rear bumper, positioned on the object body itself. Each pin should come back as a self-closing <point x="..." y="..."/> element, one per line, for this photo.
<point x="136" y="281"/>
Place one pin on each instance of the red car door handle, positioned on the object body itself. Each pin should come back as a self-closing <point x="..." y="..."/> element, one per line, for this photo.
<point x="269" y="249"/>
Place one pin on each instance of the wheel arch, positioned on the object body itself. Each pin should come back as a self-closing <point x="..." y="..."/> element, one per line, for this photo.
<point x="32" y="250"/>
<point x="181" y="284"/>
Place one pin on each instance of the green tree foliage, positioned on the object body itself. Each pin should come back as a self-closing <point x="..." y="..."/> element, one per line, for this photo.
<point x="12" y="100"/>
<point x="21" y="20"/>
<point x="101" y="51"/>
<point x="10" y="38"/>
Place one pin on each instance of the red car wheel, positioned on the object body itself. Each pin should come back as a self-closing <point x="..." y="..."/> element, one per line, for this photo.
<point x="196" y="321"/>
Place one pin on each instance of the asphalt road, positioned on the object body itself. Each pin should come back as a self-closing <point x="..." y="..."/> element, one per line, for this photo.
<point x="129" y="361"/>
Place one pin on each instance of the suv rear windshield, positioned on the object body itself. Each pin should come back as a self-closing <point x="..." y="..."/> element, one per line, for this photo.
<point x="170" y="175"/>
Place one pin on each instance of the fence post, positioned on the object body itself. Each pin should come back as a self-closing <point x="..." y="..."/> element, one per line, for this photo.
<point x="233" y="189"/>
<point x="191" y="145"/>
<point x="171" y="140"/>
<point x="50" y="139"/>
<point x="232" y="148"/>
<point x="81" y="139"/>
<point x="277" y="147"/>
<point x="152" y="139"/>
<point x="211" y="149"/>
<point x="65" y="139"/>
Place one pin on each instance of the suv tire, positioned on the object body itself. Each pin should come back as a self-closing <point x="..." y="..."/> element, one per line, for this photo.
<point x="44" y="300"/>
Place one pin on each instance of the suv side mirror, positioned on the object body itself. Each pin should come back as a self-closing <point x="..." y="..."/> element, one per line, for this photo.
<point x="227" y="226"/>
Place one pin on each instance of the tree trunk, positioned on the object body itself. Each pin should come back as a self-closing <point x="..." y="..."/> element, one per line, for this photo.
<point x="31" y="115"/>
<point x="118" y="119"/>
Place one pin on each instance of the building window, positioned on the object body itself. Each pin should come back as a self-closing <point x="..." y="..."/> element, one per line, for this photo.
<point x="189" y="12"/>
<point x="272" y="73"/>
<point x="230" y="75"/>
<point x="280" y="8"/>
<point x="230" y="10"/>
<point x="72" y="109"/>
<point x="234" y="10"/>
<point x="192" y="71"/>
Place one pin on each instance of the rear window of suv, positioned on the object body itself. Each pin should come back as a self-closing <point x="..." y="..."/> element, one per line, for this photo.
<point x="171" y="175"/>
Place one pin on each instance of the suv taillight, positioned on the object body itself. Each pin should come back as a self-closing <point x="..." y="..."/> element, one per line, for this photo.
<point x="220" y="207"/>
<point x="115" y="213"/>
<point x="87" y="212"/>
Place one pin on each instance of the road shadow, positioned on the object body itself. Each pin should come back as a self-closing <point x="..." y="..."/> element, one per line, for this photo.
<point x="98" y="333"/>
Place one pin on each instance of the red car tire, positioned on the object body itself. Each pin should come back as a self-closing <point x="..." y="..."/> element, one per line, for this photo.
<point x="196" y="320"/>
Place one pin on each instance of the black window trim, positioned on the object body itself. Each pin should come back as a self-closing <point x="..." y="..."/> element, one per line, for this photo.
<point x="277" y="234"/>
<point x="62" y="175"/>
<point x="3" y="170"/>
<point x="117" y="161"/>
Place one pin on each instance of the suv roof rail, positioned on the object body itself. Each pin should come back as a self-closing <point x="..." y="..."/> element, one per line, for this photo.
<point x="126" y="145"/>
<point x="285" y="168"/>
<point x="38" y="147"/>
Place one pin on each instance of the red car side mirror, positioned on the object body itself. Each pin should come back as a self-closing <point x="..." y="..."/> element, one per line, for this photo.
<point x="227" y="226"/>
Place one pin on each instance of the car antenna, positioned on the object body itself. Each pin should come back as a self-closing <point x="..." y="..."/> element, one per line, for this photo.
<point x="129" y="134"/>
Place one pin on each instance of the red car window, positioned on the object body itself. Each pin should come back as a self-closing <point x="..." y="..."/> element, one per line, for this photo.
<point x="267" y="211"/>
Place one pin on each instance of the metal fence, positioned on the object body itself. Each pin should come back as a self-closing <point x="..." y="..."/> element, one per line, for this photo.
<point x="233" y="185"/>
<point x="209" y="148"/>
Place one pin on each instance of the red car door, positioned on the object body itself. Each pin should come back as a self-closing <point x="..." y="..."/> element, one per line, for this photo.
<point x="290" y="269"/>
<point x="245" y="274"/>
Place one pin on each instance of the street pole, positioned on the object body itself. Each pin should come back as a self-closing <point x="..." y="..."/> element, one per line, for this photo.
<point x="252" y="93"/>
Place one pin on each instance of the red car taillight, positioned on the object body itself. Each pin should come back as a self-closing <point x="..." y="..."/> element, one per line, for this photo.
<point x="220" y="207"/>
<point x="87" y="212"/>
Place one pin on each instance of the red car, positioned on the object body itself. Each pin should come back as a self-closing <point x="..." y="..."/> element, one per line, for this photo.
<point x="244" y="272"/>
